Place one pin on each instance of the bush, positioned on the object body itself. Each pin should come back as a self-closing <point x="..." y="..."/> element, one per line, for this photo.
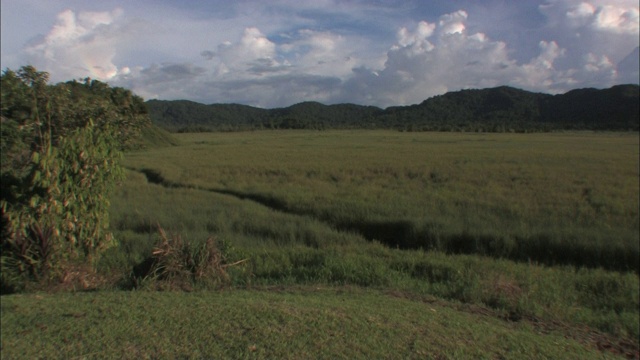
<point x="60" y="164"/>
<point x="176" y="264"/>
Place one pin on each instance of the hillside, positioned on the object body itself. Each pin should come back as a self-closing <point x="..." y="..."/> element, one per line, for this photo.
<point x="497" y="109"/>
<point x="154" y="136"/>
<point x="193" y="116"/>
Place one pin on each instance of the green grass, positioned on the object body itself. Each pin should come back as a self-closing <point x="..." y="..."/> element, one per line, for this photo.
<point x="537" y="233"/>
<point x="299" y="323"/>
<point x="333" y="208"/>
<point x="552" y="198"/>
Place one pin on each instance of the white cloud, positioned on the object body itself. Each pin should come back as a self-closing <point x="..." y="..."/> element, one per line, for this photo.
<point x="304" y="65"/>
<point x="422" y="33"/>
<point x="603" y="27"/>
<point x="252" y="50"/>
<point x="283" y="52"/>
<point x="549" y="52"/>
<point x="596" y="36"/>
<point x="256" y="45"/>
<point x="541" y="73"/>
<point x="587" y="40"/>
<point x="580" y="14"/>
<point x="453" y="23"/>
<point x="617" y="19"/>
<point x="78" y="45"/>
<point x="321" y="53"/>
<point x="440" y="57"/>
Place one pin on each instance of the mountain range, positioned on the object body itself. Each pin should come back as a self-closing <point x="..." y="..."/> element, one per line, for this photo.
<point x="497" y="109"/>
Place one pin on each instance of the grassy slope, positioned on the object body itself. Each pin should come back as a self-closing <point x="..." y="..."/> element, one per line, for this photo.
<point x="154" y="136"/>
<point x="300" y="323"/>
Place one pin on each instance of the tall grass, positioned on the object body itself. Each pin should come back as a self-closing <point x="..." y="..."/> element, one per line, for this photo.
<point x="551" y="198"/>
<point x="387" y="210"/>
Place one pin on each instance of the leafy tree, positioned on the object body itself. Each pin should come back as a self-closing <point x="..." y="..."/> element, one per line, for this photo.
<point x="61" y="146"/>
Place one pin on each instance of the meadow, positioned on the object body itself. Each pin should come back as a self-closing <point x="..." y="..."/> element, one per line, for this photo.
<point x="537" y="234"/>
<point x="548" y="198"/>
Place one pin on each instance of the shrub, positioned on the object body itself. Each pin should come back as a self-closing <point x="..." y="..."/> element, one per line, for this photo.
<point x="60" y="164"/>
<point x="178" y="264"/>
<point x="61" y="217"/>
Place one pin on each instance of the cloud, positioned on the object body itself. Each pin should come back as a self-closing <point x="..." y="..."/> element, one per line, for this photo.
<point x="438" y="57"/>
<point x="617" y="18"/>
<point x="208" y="54"/>
<point x="304" y="51"/>
<point x="78" y="45"/>
<point x="453" y="23"/>
<point x="279" y="90"/>
<point x="255" y="45"/>
<point x="600" y="27"/>
<point x="253" y="50"/>
<point x="266" y="66"/>
<point x="322" y="53"/>
<point x="423" y="32"/>
<point x="283" y="52"/>
<point x="426" y="60"/>
<point x="166" y="80"/>
<point x="303" y="65"/>
<point x="442" y="56"/>
<point x="596" y="35"/>
<point x="171" y="72"/>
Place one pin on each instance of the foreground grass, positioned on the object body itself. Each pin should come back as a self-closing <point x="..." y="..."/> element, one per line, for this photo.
<point x="293" y="323"/>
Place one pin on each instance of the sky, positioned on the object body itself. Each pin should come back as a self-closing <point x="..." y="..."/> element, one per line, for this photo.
<point x="278" y="53"/>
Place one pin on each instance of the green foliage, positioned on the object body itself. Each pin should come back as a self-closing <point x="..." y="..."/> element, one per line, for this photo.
<point x="68" y="198"/>
<point x="60" y="163"/>
<point x="183" y="115"/>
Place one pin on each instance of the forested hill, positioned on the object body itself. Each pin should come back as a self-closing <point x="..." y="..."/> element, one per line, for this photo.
<point x="497" y="109"/>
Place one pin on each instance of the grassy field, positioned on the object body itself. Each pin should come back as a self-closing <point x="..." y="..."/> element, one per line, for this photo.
<point x="523" y="243"/>
<point x="550" y="198"/>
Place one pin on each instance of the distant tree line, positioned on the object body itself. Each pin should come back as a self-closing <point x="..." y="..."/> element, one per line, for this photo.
<point x="501" y="109"/>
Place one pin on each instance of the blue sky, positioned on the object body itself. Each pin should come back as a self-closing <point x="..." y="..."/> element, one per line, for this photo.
<point x="277" y="53"/>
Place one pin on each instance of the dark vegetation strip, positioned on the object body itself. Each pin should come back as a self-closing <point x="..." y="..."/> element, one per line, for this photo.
<point x="500" y="109"/>
<point x="541" y="248"/>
